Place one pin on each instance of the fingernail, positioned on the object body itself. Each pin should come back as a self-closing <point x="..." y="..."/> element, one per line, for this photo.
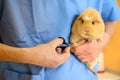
<point x="63" y="39"/>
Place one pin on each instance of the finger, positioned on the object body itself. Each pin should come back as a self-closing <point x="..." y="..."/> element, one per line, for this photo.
<point x="65" y="57"/>
<point x="63" y="39"/>
<point x="59" y="50"/>
<point x="66" y="54"/>
<point x="73" y="45"/>
<point x="80" y="42"/>
<point x="82" y="58"/>
<point x="78" y="49"/>
<point x="76" y="44"/>
<point x="72" y="50"/>
<point x="56" y="42"/>
<point x="67" y="50"/>
<point x="91" y="59"/>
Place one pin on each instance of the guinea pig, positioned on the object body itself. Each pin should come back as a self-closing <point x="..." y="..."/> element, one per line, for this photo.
<point x="88" y="25"/>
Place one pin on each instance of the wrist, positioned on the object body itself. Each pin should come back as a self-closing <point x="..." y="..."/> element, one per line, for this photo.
<point x="28" y="55"/>
<point x="32" y="56"/>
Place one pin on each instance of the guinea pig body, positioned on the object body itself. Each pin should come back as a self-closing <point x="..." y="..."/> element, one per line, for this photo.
<point x="89" y="26"/>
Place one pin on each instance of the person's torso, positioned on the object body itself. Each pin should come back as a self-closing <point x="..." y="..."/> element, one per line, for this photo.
<point x="26" y="23"/>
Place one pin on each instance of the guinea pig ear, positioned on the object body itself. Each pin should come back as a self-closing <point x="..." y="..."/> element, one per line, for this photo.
<point x="98" y="21"/>
<point x="79" y="18"/>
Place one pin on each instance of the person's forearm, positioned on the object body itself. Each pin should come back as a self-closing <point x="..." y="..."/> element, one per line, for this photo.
<point x="109" y="31"/>
<point x="13" y="54"/>
<point x="45" y="55"/>
<point x="110" y="28"/>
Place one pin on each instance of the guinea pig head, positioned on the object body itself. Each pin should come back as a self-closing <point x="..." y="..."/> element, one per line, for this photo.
<point x="91" y="24"/>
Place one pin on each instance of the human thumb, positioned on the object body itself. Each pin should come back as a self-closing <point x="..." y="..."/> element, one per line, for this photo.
<point x="56" y="42"/>
<point x="65" y="54"/>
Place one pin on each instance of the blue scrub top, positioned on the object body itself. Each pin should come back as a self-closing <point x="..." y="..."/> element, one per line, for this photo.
<point x="26" y="23"/>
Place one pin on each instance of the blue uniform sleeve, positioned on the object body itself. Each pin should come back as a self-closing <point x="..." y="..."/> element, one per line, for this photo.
<point x="110" y="11"/>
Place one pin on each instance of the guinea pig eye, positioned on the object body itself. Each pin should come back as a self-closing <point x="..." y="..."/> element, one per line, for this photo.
<point x="82" y="21"/>
<point x="93" y="22"/>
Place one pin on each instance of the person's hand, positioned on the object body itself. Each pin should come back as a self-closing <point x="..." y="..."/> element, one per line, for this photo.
<point x="88" y="51"/>
<point x="48" y="55"/>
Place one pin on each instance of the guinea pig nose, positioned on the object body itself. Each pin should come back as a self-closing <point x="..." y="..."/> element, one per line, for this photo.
<point x="86" y="30"/>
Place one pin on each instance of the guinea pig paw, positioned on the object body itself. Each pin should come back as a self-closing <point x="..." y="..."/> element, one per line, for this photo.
<point x="99" y="40"/>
